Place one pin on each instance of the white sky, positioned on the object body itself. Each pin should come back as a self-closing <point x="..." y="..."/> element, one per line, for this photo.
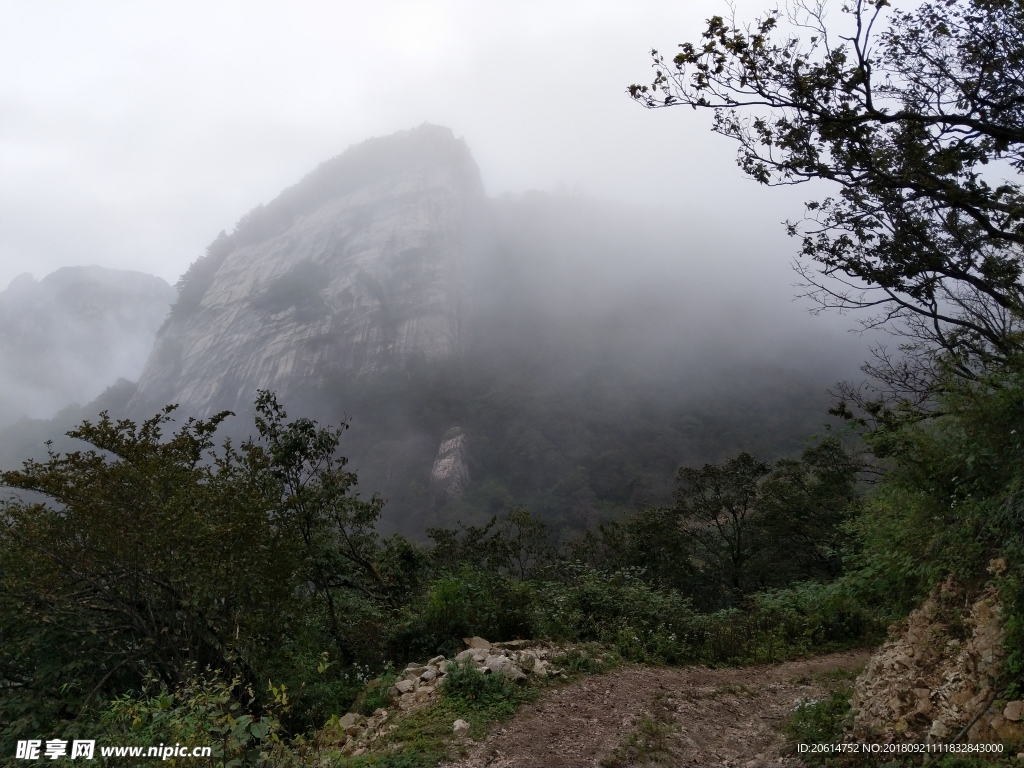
<point x="132" y="132"/>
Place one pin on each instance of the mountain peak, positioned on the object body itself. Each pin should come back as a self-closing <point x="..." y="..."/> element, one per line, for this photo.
<point x="356" y="268"/>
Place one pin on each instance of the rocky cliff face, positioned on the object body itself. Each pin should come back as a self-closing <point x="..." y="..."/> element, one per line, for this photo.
<point x="64" y="338"/>
<point x="450" y="475"/>
<point x="940" y="677"/>
<point x="357" y="269"/>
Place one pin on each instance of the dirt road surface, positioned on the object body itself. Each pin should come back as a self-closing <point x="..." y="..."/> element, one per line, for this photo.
<point x="692" y="716"/>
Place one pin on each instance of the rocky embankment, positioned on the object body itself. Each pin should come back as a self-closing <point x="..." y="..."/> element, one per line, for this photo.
<point x="940" y="676"/>
<point x="419" y="684"/>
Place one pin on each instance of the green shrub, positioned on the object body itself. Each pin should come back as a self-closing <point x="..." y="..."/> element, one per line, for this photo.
<point x="469" y="602"/>
<point x="646" y="624"/>
<point x="577" y="661"/>
<point x="376" y="695"/>
<point x="205" y="710"/>
<point x="466" y="685"/>
<point x="820" y="722"/>
<point x="150" y="554"/>
<point x="617" y="609"/>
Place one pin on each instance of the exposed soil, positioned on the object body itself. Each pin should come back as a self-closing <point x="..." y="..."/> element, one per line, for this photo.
<point x="710" y="717"/>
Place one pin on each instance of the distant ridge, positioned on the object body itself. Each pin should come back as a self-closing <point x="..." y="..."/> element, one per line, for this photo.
<point x="66" y="337"/>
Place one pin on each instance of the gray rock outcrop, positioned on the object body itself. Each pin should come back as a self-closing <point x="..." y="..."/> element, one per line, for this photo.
<point x="356" y="269"/>
<point x="450" y="475"/>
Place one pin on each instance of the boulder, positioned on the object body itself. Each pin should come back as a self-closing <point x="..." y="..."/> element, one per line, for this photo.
<point x="476" y="643"/>
<point x="352" y="718"/>
<point x="405" y="686"/>
<point x="503" y="665"/>
<point x="460" y="727"/>
<point x="1014" y="711"/>
<point x="514" y="644"/>
<point x="938" y="730"/>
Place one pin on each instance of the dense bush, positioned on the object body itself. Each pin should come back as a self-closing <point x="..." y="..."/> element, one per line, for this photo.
<point x="152" y="556"/>
<point x="467" y="684"/>
<point x="469" y="602"/>
<point x="202" y="710"/>
<point x="820" y="722"/>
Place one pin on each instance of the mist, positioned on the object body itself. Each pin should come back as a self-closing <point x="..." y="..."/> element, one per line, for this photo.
<point x="620" y="258"/>
<point x="134" y="134"/>
<point x="594" y="346"/>
<point x="69" y="336"/>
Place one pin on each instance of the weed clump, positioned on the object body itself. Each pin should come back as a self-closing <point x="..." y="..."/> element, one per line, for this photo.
<point x="466" y="686"/>
<point x="820" y="722"/>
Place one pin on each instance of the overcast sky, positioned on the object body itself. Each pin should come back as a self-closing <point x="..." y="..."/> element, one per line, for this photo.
<point x="133" y="132"/>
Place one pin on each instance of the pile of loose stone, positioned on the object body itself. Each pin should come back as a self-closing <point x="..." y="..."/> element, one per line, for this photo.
<point x="418" y="684"/>
<point x="927" y="685"/>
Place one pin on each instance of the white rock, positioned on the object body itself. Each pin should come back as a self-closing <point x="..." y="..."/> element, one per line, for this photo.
<point x="502" y="665"/>
<point x="460" y="727"/>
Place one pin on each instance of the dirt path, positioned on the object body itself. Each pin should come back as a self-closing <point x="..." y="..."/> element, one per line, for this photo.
<point x="694" y="717"/>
